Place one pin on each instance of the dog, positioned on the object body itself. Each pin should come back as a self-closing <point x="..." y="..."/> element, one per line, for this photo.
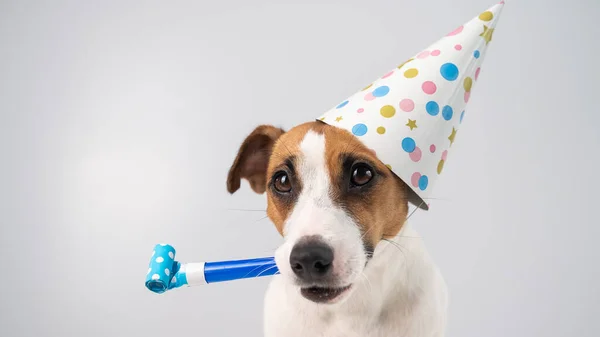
<point x="350" y="265"/>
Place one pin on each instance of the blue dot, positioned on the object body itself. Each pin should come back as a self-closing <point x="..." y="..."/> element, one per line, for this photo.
<point x="341" y="105"/>
<point x="447" y="112"/>
<point x="359" y="129"/>
<point x="423" y="182"/>
<point x="449" y="71"/>
<point x="408" y="144"/>
<point x="476" y="54"/>
<point x="381" y="91"/>
<point x="462" y="114"/>
<point x="432" y="108"/>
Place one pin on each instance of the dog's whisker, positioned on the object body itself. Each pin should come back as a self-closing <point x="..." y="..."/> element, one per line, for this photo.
<point x="270" y="268"/>
<point x="246" y="210"/>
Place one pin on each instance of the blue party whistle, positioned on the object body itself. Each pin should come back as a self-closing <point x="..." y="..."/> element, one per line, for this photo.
<point x="165" y="273"/>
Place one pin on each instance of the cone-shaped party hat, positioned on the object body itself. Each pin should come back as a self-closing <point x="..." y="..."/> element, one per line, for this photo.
<point x="411" y="115"/>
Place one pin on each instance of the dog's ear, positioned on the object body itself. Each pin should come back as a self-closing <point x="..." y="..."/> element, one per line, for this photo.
<point x="252" y="159"/>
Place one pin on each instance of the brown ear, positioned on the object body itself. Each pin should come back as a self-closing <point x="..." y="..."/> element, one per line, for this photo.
<point x="252" y="159"/>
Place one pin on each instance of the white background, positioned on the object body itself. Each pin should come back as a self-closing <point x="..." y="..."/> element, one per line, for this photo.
<point x="119" y="120"/>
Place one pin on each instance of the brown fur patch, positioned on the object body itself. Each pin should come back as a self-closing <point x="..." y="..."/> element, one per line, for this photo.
<point x="381" y="206"/>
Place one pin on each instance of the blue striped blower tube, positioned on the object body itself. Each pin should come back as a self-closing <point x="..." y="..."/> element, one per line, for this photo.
<point x="164" y="273"/>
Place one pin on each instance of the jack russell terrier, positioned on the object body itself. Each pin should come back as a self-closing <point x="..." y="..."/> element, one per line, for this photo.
<point x="350" y="264"/>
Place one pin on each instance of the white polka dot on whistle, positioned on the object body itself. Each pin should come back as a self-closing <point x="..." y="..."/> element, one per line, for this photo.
<point x="159" y="259"/>
<point x="171" y="254"/>
<point x="174" y="279"/>
<point x="163" y="244"/>
<point x="155" y="277"/>
<point x="167" y="271"/>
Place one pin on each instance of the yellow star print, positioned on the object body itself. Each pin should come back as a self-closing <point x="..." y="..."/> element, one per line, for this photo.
<point x="411" y="124"/>
<point x="452" y="135"/>
<point x="487" y="34"/>
<point x="338" y="119"/>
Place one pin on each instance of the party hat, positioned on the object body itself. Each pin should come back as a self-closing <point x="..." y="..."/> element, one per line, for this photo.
<point x="411" y="115"/>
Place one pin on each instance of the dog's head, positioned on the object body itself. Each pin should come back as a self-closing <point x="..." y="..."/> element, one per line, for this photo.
<point x="330" y="198"/>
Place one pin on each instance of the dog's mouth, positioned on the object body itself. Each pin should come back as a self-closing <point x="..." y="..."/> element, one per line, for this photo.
<point x="323" y="294"/>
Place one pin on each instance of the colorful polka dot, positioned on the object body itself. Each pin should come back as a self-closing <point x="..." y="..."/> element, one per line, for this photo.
<point x="360" y="110"/>
<point x="467" y="96"/>
<point x="387" y="111"/>
<point x="458" y="47"/>
<point x="486" y="16"/>
<point x="423" y="182"/>
<point x="388" y="74"/>
<point x="408" y="144"/>
<point x="359" y="129"/>
<point x="414" y="179"/>
<point x="381" y="91"/>
<point x="468" y="83"/>
<point x="407" y="105"/>
<point x="381" y="130"/>
<point x="436" y="52"/>
<point x="432" y="108"/>
<point x="369" y="97"/>
<point x="440" y="166"/>
<point x="447" y="112"/>
<point x="456" y="31"/>
<point x="367" y="87"/>
<point x="415" y="155"/>
<point x="432" y="148"/>
<point x="445" y="155"/>
<point x="462" y="114"/>
<point x="411" y="73"/>
<point x="423" y="54"/>
<point x="476" y="54"/>
<point x="341" y="105"/>
<point x="449" y="71"/>
<point x="477" y="73"/>
<point x="429" y="87"/>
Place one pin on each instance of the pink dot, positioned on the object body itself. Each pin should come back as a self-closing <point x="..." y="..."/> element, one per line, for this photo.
<point x="444" y="155"/>
<point x="467" y="96"/>
<point x="423" y="54"/>
<point x="432" y="148"/>
<point x="407" y="105"/>
<point x="369" y="97"/>
<point x="435" y="52"/>
<point x="458" y="47"/>
<point x="429" y="87"/>
<point x="360" y="110"/>
<point x="414" y="179"/>
<point x="456" y="31"/>
<point x="416" y="154"/>
<point x="477" y="73"/>
<point x="388" y="74"/>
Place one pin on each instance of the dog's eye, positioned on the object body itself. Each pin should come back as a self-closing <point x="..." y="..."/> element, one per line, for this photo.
<point x="282" y="182"/>
<point x="361" y="175"/>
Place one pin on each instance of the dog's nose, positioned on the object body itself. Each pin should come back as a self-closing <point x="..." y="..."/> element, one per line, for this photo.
<point x="311" y="260"/>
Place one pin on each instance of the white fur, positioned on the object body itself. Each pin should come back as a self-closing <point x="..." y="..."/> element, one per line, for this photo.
<point x="399" y="293"/>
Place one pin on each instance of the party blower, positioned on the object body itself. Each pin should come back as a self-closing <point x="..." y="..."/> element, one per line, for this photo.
<point x="164" y="273"/>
